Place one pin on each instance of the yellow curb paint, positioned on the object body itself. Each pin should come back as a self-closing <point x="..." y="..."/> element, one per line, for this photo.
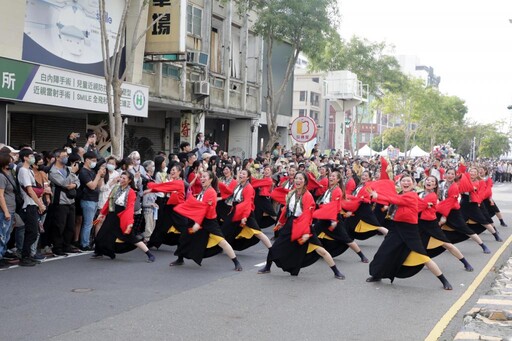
<point x="438" y="329"/>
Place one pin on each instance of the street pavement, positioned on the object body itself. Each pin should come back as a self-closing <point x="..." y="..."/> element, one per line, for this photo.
<point x="77" y="298"/>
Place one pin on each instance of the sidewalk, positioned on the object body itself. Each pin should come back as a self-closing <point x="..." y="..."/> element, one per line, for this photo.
<point x="491" y="317"/>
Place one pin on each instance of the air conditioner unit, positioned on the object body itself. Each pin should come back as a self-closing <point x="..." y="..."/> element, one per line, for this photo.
<point x="197" y="58"/>
<point x="202" y="88"/>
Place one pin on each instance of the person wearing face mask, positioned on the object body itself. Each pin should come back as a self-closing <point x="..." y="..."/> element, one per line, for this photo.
<point x="91" y="182"/>
<point x="62" y="209"/>
<point x="32" y="205"/>
<point x="109" y="181"/>
<point x="43" y="184"/>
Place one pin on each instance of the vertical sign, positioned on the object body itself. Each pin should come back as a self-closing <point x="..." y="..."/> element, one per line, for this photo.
<point x="167" y="34"/>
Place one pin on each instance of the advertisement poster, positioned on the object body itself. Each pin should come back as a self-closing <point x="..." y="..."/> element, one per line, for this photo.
<point x="66" y="33"/>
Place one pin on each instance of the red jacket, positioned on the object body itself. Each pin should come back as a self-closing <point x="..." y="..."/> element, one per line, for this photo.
<point x="196" y="187"/>
<point x="244" y="208"/>
<point x="427" y="207"/>
<point x="210" y="198"/>
<point x="407" y="206"/>
<point x="176" y="189"/>
<point x="227" y="191"/>
<point x="363" y="195"/>
<point x="265" y="186"/>
<point x="126" y="216"/>
<point x="330" y="210"/>
<point x="451" y="202"/>
<point x="302" y="224"/>
<point x="350" y="186"/>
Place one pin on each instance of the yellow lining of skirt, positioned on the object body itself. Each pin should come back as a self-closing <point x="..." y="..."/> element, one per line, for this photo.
<point x="446" y="228"/>
<point x="119" y="241"/>
<point x="471" y="222"/>
<point x="415" y="258"/>
<point x="172" y="229"/>
<point x="312" y="247"/>
<point x="365" y="227"/>
<point x="323" y="235"/>
<point x="213" y="240"/>
<point x="247" y="233"/>
<point x="433" y="243"/>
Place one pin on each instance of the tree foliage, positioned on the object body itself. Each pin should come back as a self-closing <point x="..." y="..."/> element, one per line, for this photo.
<point x="394" y="136"/>
<point x="381" y="72"/>
<point x="304" y="24"/>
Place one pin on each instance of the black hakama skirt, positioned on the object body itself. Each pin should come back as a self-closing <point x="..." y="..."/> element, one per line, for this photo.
<point x="335" y="241"/>
<point x="363" y="223"/>
<point x="240" y="237"/>
<point x="111" y="239"/>
<point x="401" y="254"/>
<point x="433" y="237"/>
<point x="291" y="256"/>
<point x="165" y="231"/>
<point x="201" y="244"/>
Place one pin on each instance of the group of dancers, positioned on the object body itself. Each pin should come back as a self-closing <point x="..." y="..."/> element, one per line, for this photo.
<point x="313" y="218"/>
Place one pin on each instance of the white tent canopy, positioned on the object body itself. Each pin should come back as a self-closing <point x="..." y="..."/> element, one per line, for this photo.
<point x="417" y="152"/>
<point x="389" y="152"/>
<point x="366" y="151"/>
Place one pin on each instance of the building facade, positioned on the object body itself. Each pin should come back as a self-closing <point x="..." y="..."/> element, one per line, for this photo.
<point x="210" y="83"/>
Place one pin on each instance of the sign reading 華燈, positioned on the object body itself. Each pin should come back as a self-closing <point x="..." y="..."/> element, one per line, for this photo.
<point x="167" y="35"/>
<point x="303" y="129"/>
<point x="33" y="83"/>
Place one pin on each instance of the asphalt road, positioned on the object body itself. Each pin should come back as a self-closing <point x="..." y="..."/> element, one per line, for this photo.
<point x="76" y="298"/>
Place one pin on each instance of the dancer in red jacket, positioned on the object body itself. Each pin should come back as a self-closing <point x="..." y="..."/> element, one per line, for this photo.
<point x="297" y="246"/>
<point x="402" y="254"/>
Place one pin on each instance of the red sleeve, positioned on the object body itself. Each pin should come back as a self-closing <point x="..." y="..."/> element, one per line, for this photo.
<point x="192" y="209"/>
<point x="401" y="199"/>
<point x="350" y="187"/>
<point x="383" y="169"/>
<point x="462" y="169"/>
<point x="126" y="216"/>
<point x="428" y="212"/>
<point x="210" y="198"/>
<point x="279" y="194"/>
<point x="283" y="180"/>
<point x="302" y="225"/>
<point x="312" y="183"/>
<point x="383" y="188"/>
<point x="167" y="187"/>
<point x="488" y="189"/>
<point x="350" y="205"/>
<point x="330" y="210"/>
<point x="227" y="191"/>
<point x="256" y="183"/>
<point x="465" y="184"/>
<point x="451" y="202"/>
<point x="244" y="209"/>
<point x="324" y="183"/>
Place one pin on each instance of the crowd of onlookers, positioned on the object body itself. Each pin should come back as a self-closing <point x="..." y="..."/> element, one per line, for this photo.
<point x="49" y="200"/>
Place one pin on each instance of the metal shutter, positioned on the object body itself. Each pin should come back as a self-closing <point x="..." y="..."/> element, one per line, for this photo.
<point x="147" y="141"/>
<point x="51" y="132"/>
<point x="21" y="129"/>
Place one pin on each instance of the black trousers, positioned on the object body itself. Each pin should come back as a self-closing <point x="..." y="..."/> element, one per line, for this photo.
<point x="63" y="229"/>
<point x="30" y="216"/>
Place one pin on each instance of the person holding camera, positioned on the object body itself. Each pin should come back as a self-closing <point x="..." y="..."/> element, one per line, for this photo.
<point x="91" y="182"/>
<point x="33" y="206"/>
<point x="64" y="182"/>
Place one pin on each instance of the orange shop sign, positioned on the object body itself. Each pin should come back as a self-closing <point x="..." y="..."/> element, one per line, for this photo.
<point x="303" y="129"/>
